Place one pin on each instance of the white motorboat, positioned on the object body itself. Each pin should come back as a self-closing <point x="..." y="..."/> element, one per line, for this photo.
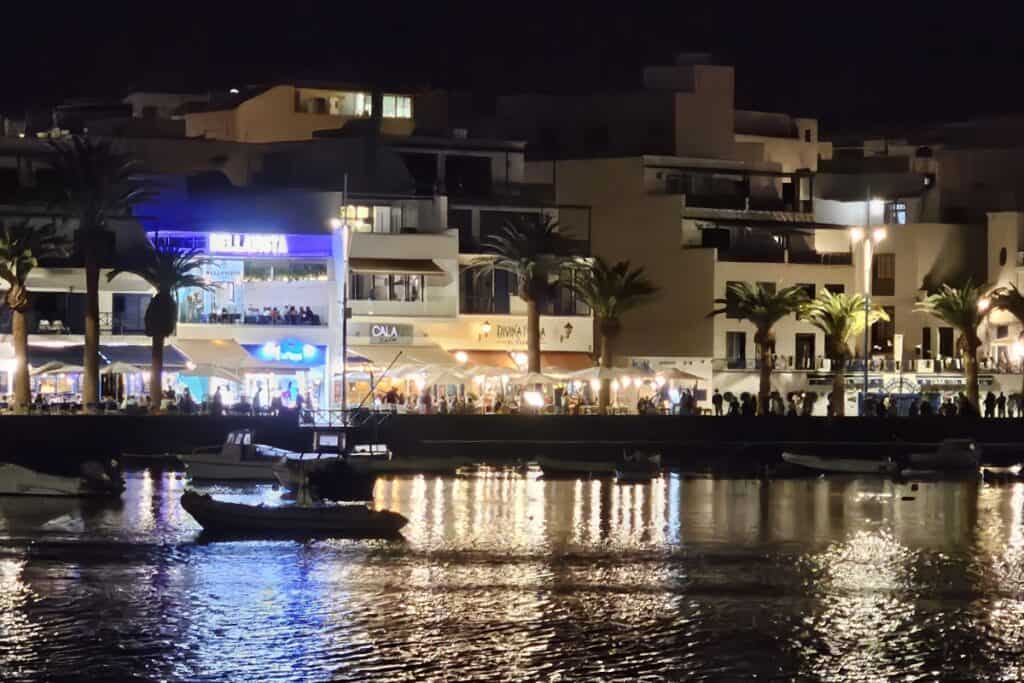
<point x="638" y="467"/>
<point x="237" y="459"/>
<point x="92" y="480"/>
<point x="219" y="517"/>
<point x="841" y="465"/>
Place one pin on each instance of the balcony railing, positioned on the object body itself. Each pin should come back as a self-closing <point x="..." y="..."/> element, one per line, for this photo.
<point x="253" y="318"/>
<point x="433" y="306"/>
<point x="942" y="365"/>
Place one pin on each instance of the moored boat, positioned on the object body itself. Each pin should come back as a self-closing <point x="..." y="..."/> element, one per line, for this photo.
<point x="841" y="465"/>
<point x="355" y="521"/>
<point x="238" y="458"/>
<point x="331" y="478"/>
<point x="93" y="479"/>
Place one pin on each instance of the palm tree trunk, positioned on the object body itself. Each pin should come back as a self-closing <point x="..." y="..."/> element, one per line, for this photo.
<point x="605" y="395"/>
<point x="156" y="372"/>
<point x="971" y="376"/>
<point x="533" y="335"/>
<point x="765" y="389"/>
<point x="839" y="389"/>
<point x="22" y="389"/>
<point x="90" y="361"/>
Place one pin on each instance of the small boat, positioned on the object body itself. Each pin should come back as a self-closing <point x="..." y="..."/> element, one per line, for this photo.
<point x="638" y="467"/>
<point x="352" y="521"/>
<point x="93" y="479"/>
<point x="238" y="459"/>
<point x="841" y="465"/>
<point x="952" y="454"/>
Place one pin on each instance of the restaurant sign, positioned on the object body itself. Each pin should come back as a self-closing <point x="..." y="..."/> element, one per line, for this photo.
<point x="382" y="333"/>
<point x="247" y="244"/>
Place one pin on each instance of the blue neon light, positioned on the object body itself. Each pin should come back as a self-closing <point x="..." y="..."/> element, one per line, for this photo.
<point x="288" y="351"/>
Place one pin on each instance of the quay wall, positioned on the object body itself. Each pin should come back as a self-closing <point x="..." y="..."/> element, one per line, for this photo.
<point x="512" y="437"/>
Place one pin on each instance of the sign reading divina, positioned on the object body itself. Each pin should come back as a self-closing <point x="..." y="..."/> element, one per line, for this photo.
<point x="250" y="244"/>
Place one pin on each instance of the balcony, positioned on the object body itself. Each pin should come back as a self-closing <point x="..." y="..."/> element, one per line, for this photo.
<point x="433" y="306"/>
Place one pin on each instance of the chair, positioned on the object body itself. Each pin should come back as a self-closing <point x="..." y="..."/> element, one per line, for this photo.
<point x="44" y="327"/>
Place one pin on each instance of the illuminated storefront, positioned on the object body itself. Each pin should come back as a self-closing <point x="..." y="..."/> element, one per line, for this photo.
<point x="286" y="370"/>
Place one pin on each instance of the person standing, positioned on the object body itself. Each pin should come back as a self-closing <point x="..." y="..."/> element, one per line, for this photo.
<point x="217" y="405"/>
<point x="990" y="404"/>
<point x="257" y="401"/>
<point x="1001" y="405"/>
<point x="716" y="401"/>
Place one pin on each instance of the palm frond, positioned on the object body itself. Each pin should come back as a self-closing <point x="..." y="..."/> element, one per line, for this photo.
<point x="23" y="245"/>
<point x="166" y="269"/>
<point x="761" y="305"/>
<point x="841" y="317"/>
<point x="611" y="290"/>
<point x="958" y="307"/>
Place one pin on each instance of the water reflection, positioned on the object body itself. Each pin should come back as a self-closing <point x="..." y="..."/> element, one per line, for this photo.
<point x="508" y="575"/>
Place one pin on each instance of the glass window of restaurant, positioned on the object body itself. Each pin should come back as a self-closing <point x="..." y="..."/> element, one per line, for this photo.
<point x="283" y="383"/>
<point x="386" y="287"/>
<point x="229" y="300"/>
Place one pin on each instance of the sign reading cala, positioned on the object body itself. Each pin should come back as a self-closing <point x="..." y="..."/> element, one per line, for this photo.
<point x="390" y="333"/>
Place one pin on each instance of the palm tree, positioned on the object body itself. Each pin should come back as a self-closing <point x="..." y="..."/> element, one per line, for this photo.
<point x="763" y="307"/>
<point x="959" y="308"/>
<point x="841" y="318"/>
<point x="98" y="183"/>
<point x="166" y="270"/>
<point x="610" y="291"/>
<point x="1011" y="300"/>
<point x="535" y="253"/>
<point x="21" y="247"/>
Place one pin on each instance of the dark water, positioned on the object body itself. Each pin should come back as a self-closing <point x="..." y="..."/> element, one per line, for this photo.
<point x="508" y="577"/>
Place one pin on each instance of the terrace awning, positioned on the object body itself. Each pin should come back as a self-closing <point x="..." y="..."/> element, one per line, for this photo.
<point x="390" y="266"/>
<point x="381" y="355"/>
<point x="226" y="354"/>
<point x="142" y="356"/>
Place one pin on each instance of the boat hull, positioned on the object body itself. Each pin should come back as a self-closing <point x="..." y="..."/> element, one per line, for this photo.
<point x="16" y="480"/>
<point x="358" y="521"/>
<point x="329" y="478"/>
<point x="216" y="467"/>
<point x="840" y="465"/>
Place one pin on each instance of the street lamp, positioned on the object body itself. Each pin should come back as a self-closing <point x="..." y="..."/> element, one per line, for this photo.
<point x="860" y="236"/>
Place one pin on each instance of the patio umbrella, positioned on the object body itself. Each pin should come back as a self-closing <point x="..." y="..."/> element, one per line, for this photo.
<point x="677" y="374"/>
<point x="56" y="368"/>
<point x="446" y="376"/>
<point x="599" y="373"/>
<point x="211" y="371"/>
<point x="531" y="378"/>
<point x="119" y="368"/>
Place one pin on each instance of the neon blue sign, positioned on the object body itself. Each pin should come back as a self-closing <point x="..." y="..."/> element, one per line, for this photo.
<point x="290" y="351"/>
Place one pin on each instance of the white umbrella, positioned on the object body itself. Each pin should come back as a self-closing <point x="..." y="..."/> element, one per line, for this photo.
<point x="531" y="378"/>
<point x="677" y="374"/>
<point x="599" y="373"/>
<point x="211" y="371"/>
<point x="119" y="368"/>
<point x="56" y="368"/>
<point x="446" y="376"/>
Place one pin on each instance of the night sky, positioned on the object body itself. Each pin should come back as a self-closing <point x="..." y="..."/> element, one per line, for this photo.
<point x="856" y="66"/>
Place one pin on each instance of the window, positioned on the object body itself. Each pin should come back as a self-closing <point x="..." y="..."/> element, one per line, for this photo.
<point x="883" y="275"/>
<point x="809" y="291"/>
<point x="731" y="301"/>
<point x="129" y="315"/>
<point x="896" y="213"/>
<point x="946" y="342"/>
<point x="393" y="287"/>
<point x="805" y="351"/>
<point x="259" y="270"/>
<point x="1002" y="331"/>
<point x="736" y="350"/>
<point x="1002" y="256"/>
<point x="882" y="332"/>
<point x="926" y="342"/>
<point x="807" y="134"/>
<point x="387" y="219"/>
<point x="397" y="107"/>
<point x="836" y="289"/>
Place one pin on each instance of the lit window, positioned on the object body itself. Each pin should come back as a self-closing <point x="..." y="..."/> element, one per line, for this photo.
<point x="896" y="213"/>
<point x="397" y="107"/>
